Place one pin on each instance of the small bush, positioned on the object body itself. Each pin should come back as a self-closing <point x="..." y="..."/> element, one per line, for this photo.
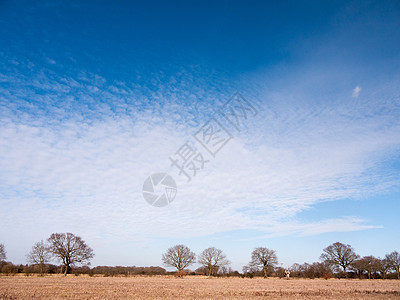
<point x="180" y="274"/>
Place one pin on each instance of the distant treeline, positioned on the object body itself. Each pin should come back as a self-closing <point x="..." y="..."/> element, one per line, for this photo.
<point x="337" y="261"/>
<point x="306" y="270"/>
<point x="11" y="269"/>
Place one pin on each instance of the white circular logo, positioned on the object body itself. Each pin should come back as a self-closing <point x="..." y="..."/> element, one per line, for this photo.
<point x="159" y="189"/>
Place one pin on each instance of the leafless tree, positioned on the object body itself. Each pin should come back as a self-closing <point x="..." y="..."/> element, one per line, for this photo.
<point x="39" y="255"/>
<point x="213" y="259"/>
<point x="264" y="258"/>
<point x="3" y="255"/>
<point x="382" y="265"/>
<point x="179" y="257"/>
<point x="339" y="255"/>
<point x="394" y="262"/>
<point x="358" y="267"/>
<point x="295" y="270"/>
<point x="369" y="264"/>
<point x="317" y="270"/>
<point x="249" y="269"/>
<point x="69" y="249"/>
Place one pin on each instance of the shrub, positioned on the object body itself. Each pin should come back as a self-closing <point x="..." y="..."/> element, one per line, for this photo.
<point x="180" y="274"/>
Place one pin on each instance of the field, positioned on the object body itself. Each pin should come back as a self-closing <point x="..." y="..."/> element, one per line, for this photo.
<point x="192" y="287"/>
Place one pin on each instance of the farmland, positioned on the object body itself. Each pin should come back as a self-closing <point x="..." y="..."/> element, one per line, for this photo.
<point x="192" y="287"/>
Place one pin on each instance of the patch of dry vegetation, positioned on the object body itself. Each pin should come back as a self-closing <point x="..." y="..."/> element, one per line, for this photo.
<point x="192" y="287"/>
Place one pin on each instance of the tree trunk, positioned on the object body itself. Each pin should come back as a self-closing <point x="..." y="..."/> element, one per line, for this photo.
<point x="265" y="272"/>
<point x="67" y="269"/>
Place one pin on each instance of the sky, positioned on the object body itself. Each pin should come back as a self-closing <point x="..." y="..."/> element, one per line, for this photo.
<point x="97" y="96"/>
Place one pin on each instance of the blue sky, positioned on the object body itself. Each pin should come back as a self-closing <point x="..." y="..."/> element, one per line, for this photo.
<point x="96" y="96"/>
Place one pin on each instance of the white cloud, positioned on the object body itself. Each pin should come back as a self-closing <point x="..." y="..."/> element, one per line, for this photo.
<point x="84" y="172"/>
<point x="356" y="92"/>
<point x="344" y="224"/>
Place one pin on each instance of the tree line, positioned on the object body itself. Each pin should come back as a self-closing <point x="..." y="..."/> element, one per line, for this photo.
<point x="66" y="248"/>
<point x="74" y="255"/>
<point x="337" y="260"/>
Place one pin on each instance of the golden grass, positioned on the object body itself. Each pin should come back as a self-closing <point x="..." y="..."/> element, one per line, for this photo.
<point x="192" y="287"/>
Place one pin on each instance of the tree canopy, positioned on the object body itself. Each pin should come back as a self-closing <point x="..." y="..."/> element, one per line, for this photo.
<point x="69" y="249"/>
<point x="179" y="257"/>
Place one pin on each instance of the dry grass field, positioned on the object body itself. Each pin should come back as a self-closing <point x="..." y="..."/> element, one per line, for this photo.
<point x="192" y="287"/>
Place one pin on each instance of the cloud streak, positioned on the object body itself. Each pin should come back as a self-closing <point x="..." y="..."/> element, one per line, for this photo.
<point x="356" y="92"/>
<point x="78" y="162"/>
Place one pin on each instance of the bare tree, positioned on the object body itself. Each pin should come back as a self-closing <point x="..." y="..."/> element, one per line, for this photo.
<point x="382" y="265"/>
<point x="358" y="267"/>
<point x="394" y="262"/>
<point x="295" y="270"/>
<point x="264" y="258"/>
<point x="369" y="264"/>
<point x="179" y="257"/>
<point x="339" y="255"/>
<point x="213" y="259"/>
<point x="69" y="249"/>
<point x="3" y="255"/>
<point x="39" y="255"/>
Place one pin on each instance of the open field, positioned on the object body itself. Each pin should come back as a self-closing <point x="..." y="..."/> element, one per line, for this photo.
<point x="192" y="287"/>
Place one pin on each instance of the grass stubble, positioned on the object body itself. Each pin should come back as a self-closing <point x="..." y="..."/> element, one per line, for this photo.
<point x="192" y="287"/>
